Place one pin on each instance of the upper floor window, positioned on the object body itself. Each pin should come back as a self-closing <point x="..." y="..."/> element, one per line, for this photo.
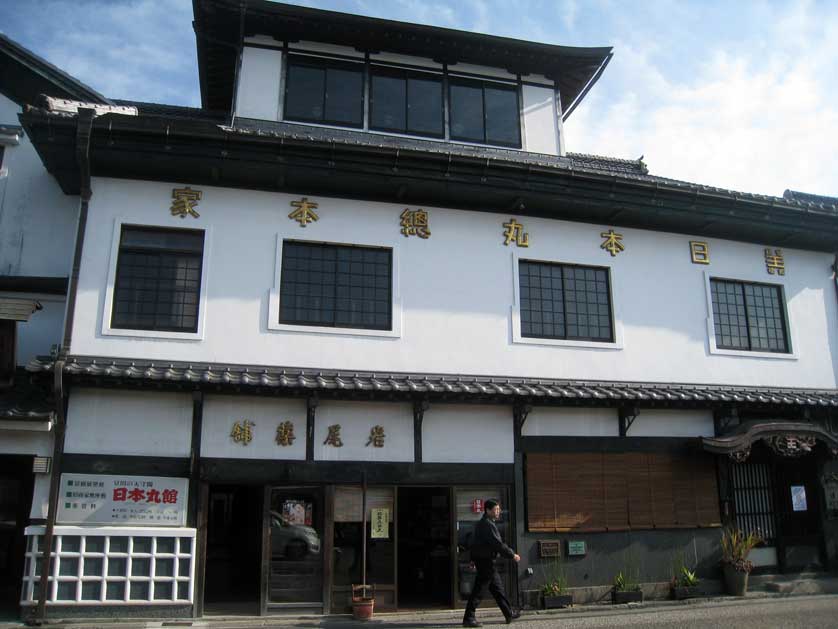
<point x="406" y="102"/>
<point x="749" y="316"/>
<point x="324" y="91"/>
<point x="563" y="301"/>
<point x="484" y="112"/>
<point x="337" y="286"/>
<point x="158" y="279"/>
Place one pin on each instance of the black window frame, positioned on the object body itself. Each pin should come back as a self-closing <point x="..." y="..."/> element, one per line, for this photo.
<point x="406" y="74"/>
<point x="325" y="63"/>
<point x="182" y="252"/>
<point x="454" y="80"/>
<point x="564" y="301"/>
<point x="285" y="280"/>
<point x="715" y="307"/>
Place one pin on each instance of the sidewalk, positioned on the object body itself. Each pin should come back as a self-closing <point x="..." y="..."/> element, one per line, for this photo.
<point x="425" y="619"/>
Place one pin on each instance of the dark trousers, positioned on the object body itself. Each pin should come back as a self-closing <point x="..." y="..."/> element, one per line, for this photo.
<point x="487" y="574"/>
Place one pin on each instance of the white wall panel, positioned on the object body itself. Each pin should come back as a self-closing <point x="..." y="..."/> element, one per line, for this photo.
<point x="540" y="126"/>
<point x="128" y="422"/>
<point x="575" y="422"/>
<point x="40" y="497"/>
<point x="468" y="434"/>
<point x="25" y="442"/>
<point x="258" y="90"/>
<point x="222" y="411"/>
<point x="355" y="420"/>
<point x="672" y="423"/>
<point x="324" y="48"/>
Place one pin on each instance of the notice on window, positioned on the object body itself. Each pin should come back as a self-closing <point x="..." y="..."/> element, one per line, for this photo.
<point x="798" y="498"/>
<point x="297" y="512"/>
<point x="380" y="524"/>
<point x="122" y="500"/>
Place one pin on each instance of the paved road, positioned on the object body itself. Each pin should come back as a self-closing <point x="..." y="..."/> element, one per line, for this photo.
<point x="809" y="612"/>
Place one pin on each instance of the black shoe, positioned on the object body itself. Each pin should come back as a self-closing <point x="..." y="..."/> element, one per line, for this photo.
<point x="515" y="615"/>
<point x="471" y="622"/>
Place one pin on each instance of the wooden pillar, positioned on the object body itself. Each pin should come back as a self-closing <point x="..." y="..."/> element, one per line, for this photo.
<point x="311" y="409"/>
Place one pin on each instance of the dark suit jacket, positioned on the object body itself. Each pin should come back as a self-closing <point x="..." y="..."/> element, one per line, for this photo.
<point x="487" y="541"/>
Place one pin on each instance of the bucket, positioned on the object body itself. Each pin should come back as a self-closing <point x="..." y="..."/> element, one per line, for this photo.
<point x="362" y="603"/>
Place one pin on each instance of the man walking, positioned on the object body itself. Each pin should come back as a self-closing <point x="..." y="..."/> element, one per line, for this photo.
<point x="488" y="545"/>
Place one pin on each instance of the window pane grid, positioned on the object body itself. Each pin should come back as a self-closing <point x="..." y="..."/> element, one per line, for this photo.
<point x="156" y="289"/>
<point x="748" y="316"/>
<point x="336" y="286"/>
<point x="564" y="302"/>
<point x="324" y="91"/>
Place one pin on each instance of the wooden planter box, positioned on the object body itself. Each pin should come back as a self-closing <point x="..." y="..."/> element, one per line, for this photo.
<point x="558" y="601"/>
<point x="682" y="592"/>
<point x="620" y="598"/>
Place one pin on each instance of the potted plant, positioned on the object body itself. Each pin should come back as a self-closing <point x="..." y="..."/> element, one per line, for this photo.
<point x="684" y="584"/>
<point x="736" y="545"/>
<point x="553" y="591"/>
<point x="363" y="602"/>
<point x="626" y="589"/>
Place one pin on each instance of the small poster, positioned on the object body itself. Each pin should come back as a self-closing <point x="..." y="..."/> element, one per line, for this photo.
<point x="380" y="525"/>
<point x="798" y="498"/>
<point x="297" y="512"/>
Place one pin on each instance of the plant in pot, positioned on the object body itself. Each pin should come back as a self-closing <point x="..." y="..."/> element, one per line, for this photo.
<point x="553" y="591"/>
<point x="736" y="545"/>
<point x="626" y="589"/>
<point x="363" y="601"/>
<point x="684" y="584"/>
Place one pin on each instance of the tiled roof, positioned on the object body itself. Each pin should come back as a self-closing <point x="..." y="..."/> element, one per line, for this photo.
<point x="811" y="199"/>
<point x="535" y="389"/>
<point x="25" y="404"/>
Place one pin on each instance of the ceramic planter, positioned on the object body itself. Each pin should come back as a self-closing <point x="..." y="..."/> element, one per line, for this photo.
<point x="626" y="596"/>
<point x="736" y="582"/>
<point x="557" y="601"/>
<point x="682" y="592"/>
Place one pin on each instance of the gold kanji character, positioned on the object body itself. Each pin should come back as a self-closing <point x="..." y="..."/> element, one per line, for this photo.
<point x="304" y="214"/>
<point x="376" y="437"/>
<point x="242" y="432"/>
<point x="285" y="434"/>
<point x="415" y="223"/>
<point x="184" y="202"/>
<point x="612" y="242"/>
<point x="333" y="438"/>
<point x="700" y="252"/>
<point x="775" y="262"/>
<point x="514" y="232"/>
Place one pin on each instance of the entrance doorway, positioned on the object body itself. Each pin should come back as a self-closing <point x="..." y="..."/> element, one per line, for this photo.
<point x="234" y="539"/>
<point x="424" y="547"/>
<point x="15" y="500"/>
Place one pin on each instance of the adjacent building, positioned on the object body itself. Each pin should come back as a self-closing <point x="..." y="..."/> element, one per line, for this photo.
<point x="366" y="287"/>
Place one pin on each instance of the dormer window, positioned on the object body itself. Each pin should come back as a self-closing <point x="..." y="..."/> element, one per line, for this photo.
<point x="406" y="102"/>
<point x="324" y="91"/>
<point x="485" y="112"/>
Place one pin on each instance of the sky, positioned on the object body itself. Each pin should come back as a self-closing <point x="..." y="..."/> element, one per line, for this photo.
<point x="739" y="94"/>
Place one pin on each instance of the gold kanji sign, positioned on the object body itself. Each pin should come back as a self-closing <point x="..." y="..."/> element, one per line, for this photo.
<point x="184" y="201"/>
<point x="304" y="212"/>
<point x="514" y="232"/>
<point x="242" y="432"/>
<point x="333" y="438"/>
<point x="415" y="223"/>
<point x="376" y="437"/>
<point x="612" y="243"/>
<point x="699" y="252"/>
<point x="285" y="434"/>
<point x="775" y="262"/>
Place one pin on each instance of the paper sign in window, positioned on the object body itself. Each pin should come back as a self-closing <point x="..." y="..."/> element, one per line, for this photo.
<point x="798" y="498"/>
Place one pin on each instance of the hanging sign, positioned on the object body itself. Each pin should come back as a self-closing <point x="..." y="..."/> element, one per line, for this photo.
<point x="380" y="525"/>
<point x="122" y="500"/>
<point x="798" y="498"/>
<point x="477" y="505"/>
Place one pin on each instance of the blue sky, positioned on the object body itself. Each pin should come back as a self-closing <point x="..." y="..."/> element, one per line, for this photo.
<point x="736" y="94"/>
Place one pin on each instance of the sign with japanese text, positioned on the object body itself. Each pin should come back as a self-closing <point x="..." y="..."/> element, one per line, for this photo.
<point x="380" y="524"/>
<point x="122" y="500"/>
<point x="477" y="505"/>
<point x="576" y="549"/>
<point x="798" y="498"/>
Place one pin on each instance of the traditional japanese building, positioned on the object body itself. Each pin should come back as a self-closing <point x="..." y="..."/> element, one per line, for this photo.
<point x="366" y="287"/>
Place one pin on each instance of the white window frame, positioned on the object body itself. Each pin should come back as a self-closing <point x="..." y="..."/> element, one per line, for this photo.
<point x="107" y="312"/>
<point x="396" y="314"/>
<point x="748" y="278"/>
<point x="515" y="310"/>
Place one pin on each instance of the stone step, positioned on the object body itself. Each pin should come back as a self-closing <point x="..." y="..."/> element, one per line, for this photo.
<point x="801" y="583"/>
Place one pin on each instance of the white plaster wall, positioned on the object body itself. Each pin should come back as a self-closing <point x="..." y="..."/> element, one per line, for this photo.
<point x="43" y="330"/>
<point x="222" y="411"/>
<point x="37" y="220"/>
<point x="258" y="89"/>
<point x="356" y="419"/>
<point x="457" y="294"/>
<point x="26" y="442"/>
<point x="540" y="131"/>
<point x="672" y="423"/>
<point x="40" y="497"/>
<point x="467" y="434"/>
<point x="101" y="421"/>
<point x="323" y="48"/>
<point x="572" y="422"/>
